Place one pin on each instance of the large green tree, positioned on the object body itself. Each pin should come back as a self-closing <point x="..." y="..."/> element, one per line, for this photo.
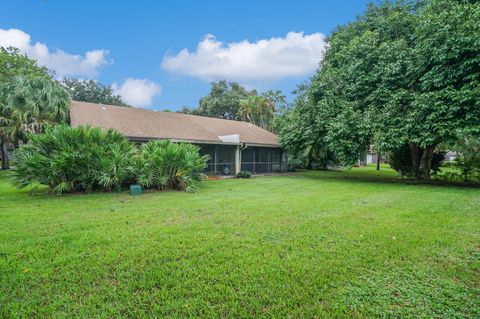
<point x="232" y="101"/>
<point x="402" y="74"/>
<point x="92" y="91"/>
<point x="258" y="110"/>
<point x="262" y="110"/>
<point x="223" y="101"/>
<point x="302" y="132"/>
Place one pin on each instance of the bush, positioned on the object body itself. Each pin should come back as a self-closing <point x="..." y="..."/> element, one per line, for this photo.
<point x="452" y="164"/>
<point x="80" y="159"/>
<point x="294" y="164"/>
<point x="167" y="165"/>
<point x="86" y="159"/>
<point x="451" y="176"/>
<point x="244" y="174"/>
<point x="468" y="160"/>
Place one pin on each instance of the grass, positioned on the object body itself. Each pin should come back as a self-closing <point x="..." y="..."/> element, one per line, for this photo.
<point x="355" y="244"/>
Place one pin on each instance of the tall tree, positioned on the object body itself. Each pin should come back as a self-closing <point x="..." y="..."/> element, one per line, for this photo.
<point x="12" y="64"/>
<point x="263" y="110"/>
<point x="402" y="74"/>
<point x="30" y="99"/>
<point x="92" y="91"/>
<point x="223" y="101"/>
<point x="302" y="132"/>
<point x="232" y="101"/>
<point x="258" y="110"/>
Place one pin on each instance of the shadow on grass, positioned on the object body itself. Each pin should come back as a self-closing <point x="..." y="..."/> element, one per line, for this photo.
<point x="384" y="176"/>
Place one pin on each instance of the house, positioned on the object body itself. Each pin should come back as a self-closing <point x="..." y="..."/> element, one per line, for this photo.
<point x="232" y="146"/>
<point x="450" y="156"/>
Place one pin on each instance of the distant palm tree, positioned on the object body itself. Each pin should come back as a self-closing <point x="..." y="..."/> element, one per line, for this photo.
<point x="258" y="110"/>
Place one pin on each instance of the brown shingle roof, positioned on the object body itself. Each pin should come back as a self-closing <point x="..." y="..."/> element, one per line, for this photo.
<point x="147" y="124"/>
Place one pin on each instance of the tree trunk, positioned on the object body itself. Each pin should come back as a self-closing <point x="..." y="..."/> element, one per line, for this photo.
<point x="378" y="160"/>
<point x="426" y="161"/>
<point x="414" y="155"/>
<point x="4" y="152"/>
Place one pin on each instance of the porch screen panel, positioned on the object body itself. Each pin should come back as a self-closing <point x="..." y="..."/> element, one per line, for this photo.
<point x="210" y="151"/>
<point x="248" y="157"/>
<point x="276" y="165"/>
<point x="262" y="157"/>
<point x="225" y="160"/>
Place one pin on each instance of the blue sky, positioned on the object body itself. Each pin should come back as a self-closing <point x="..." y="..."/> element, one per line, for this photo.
<point x="136" y="45"/>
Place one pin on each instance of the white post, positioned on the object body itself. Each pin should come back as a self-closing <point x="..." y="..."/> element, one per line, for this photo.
<point x="238" y="160"/>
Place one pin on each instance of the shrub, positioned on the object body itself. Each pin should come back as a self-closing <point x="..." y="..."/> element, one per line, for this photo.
<point x="76" y="159"/>
<point x="451" y="176"/>
<point x="244" y="174"/>
<point x="468" y="160"/>
<point x="167" y="165"/>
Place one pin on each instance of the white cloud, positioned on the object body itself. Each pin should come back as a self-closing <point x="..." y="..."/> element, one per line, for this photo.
<point x="137" y="92"/>
<point x="269" y="59"/>
<point x="64" y="64"/>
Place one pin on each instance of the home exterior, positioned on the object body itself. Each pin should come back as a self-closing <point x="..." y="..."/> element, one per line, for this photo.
<point x="232" y="146"/>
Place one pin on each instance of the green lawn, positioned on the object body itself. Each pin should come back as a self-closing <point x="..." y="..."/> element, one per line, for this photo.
<point x="355" y="244"/>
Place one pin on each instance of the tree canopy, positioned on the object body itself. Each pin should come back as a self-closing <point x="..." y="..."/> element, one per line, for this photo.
<point x="30" y="99"/>
<point x="13" y="63"/>
<point x="223" y="101"/>
<point x="232" y="101"/>
<point x="92" y="91"/>
<point x="401" y="74"/>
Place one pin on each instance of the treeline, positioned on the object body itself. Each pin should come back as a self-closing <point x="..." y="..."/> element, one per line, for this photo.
<point x="405" y="78"/>
<point x="232" y="101"/>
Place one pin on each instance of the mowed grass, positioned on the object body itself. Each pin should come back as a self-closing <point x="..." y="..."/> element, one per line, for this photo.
<point x="355" y="244"/>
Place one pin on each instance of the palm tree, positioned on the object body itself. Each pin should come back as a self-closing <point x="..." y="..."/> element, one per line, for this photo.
<point x="258" y="110"/>
<point x="27" y="106"/>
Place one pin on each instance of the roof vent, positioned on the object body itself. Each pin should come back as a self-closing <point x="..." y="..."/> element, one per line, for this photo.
<point x="233" y="138"/>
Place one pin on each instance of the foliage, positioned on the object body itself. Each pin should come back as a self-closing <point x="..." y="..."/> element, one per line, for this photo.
<point x="244" y="174"/>
<point x="223" y="101"/>
<point x="300" y="130"/>
<point x="92" y="91"/>
<point x="80" y="159"/>
<point x="86" y="159"/>
<point x="27" y="106"/>
<point x="167" y="165"/>
<point x="257" y="110"/>
<point x="232" y="101"/>
<point x="468" y="159"/>
<point x="13" y="63"/>
<point x="314" y="245"/>
<point x="400" y="74"/>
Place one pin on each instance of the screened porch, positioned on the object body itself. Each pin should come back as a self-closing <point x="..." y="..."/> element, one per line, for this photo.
<point x="257" y="160"/>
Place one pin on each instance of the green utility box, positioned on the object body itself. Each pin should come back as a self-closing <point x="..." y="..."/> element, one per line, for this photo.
<point x="135" y="190"/>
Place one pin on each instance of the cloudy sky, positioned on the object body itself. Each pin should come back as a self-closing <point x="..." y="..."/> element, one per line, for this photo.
<point x="163" y="54"/>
